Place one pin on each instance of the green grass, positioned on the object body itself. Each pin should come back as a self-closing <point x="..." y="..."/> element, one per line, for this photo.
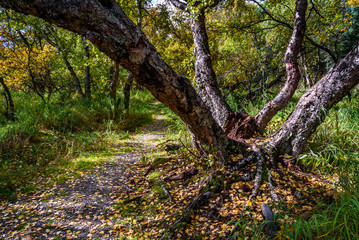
<point x="61" y="137"/>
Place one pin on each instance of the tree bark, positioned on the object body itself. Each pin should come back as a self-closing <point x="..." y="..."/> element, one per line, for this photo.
<point x="104" y="23"/>
<point x="11" y="106"/>
<point x="314" y="105"/>
<point x="87" y="69"/>
<point x="292" y="68"/>
<point x="206" y="79"/>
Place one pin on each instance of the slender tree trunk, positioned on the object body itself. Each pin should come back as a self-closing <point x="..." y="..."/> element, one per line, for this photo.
<point x="308" y="80"/>
<point x="73" y="75"/>
<point x="114" y="81"/>
<point x="127" y="91"/>
<point x="11" y="106"/>
<point x="314" y="105"/>
<point x="87" y="70"/>
<point x="292" y="67"/>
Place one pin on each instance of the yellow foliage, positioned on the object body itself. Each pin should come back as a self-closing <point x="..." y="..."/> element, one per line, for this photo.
<point x="18" y="62"/>
<point x="353" y="2"/>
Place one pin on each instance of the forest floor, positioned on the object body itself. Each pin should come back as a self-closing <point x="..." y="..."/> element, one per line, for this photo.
<point x="80" y="207"/>
<point x="143" y="190"/>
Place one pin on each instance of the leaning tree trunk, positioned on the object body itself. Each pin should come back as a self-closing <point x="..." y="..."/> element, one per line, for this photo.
<point x="11" y="106"/>
<point x="105" y="24"/>
<point x="313" y="106"/>
<point x="292" y="68"/>
<point x="74" y="75"/>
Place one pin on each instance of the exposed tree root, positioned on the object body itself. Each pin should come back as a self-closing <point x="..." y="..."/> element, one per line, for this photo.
<point x="271" y="187"/>
<point x="267" y="169"/>
<point x="258" y="177"/>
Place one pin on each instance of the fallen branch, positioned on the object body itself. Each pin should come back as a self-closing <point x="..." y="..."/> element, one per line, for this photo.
<point x="164" y="189"/>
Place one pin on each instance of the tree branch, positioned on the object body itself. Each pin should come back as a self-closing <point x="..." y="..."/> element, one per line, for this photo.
<point x="292" y="69"/>
<point x="178" y="4"/>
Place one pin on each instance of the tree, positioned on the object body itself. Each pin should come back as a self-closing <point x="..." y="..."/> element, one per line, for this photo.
<point x="10" y="107"/>
<point x="105" y="24"/>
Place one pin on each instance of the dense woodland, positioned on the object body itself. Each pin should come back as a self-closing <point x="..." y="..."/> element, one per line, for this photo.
<point x="256" y="103"/>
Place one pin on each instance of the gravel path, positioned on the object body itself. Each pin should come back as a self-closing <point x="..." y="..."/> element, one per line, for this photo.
<point x="78" y="208"/>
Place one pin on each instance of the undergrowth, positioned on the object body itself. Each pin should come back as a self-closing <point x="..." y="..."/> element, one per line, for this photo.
<point x="48" y="139"/>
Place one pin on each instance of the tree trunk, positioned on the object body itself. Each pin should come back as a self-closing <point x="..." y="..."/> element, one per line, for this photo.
<point x="114" y="82"/>
<point x="87" y="70"/>
<point x="127" y="92"/>
<point x="11" y="106"/>
<point x="74" y="76"/>
<point x="206" y="79"/>
<point x="313" y="106"/>
<point x="308" y="80"/>
<point x="104" y="23"/>
<point x="292" y="67"/>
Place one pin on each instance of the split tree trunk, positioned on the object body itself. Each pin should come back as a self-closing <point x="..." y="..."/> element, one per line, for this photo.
<point x="104" y="23"/>
<point x="292" y="67"/>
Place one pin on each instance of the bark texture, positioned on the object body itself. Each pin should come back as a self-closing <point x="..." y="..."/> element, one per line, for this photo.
<point x="313" y="106"/>
<point x="104" y="23"/>
<point x="292" y="68"/>
<point x="206" y="79"/>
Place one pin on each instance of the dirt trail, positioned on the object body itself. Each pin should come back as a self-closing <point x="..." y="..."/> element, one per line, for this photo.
<point x="78" y="208"/>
